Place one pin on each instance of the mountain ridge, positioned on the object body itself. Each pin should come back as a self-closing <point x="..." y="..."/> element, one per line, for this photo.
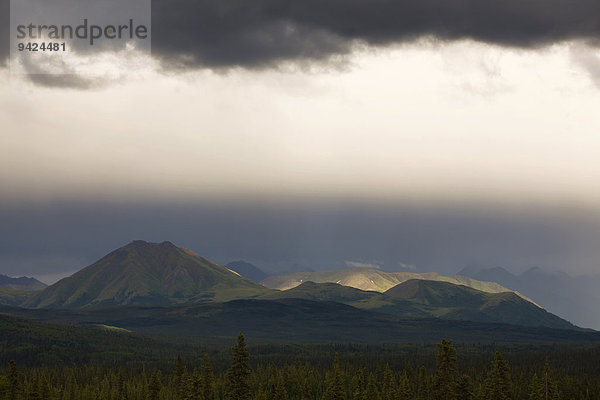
<point x="447" y="300"/>
<point x="377" y="280"/>
<point x="431" y="299"/>
<point x="21" y="283"/>
<point x="162" y="274"/>
<point x="146" y="273"/>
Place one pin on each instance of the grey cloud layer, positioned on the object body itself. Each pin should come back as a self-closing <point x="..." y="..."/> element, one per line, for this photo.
<point x="265" y="32"/>
<point x="262" y="33"/>
<point x="66" y="236"/>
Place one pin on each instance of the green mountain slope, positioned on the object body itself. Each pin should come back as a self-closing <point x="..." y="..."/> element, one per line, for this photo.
<point x="326" y="292"/>
<point x="366" y="300"/>
<point x="147" y="273"/>
<point x="431" y="299"/>
<point x="14" y="297"/>
<point x="375" y="280"/>
<point x="446" y="300"/>
<point x="436" y="294"/>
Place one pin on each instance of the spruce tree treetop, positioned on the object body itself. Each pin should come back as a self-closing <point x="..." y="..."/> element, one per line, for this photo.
<point x="335" y="387"/>
<point x="237" y="377"/>
<point x="446" y="376"/>
<point x="498" y="385"/>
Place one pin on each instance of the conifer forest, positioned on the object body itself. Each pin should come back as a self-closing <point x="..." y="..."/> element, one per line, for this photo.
<point x="321" y="372"/>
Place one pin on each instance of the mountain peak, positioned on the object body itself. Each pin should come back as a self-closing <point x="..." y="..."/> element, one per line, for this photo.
<point x="145" y="244"/>
<point x="146" y="273"/>
<point x="22" y="283"/>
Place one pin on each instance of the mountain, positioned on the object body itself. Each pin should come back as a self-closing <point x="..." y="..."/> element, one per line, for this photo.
<point x="446" y="300"/>
<point x="573" y="297"/>
<point x="326" y="292"/>
<point x="146" y="273"/>
<point x="16" y="291"/>
<point x="366" y="300"/>
<point x="14" y="297"/>
<point x="431" y="299"/>
<point x="247" y="270"/>
<point x="22" y="283"/>
<point x="294" y="321"/>
<point x="375" y="280"/>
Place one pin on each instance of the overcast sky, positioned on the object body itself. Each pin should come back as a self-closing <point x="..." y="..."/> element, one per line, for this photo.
<point x="428" y="135"/>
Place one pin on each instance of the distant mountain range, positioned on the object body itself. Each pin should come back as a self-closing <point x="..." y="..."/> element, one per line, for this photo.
<point x="22" y="283"/>
<point x="247" y="270"/>
<point x="159" y="288"/>
<point x="576" y="298"/>
<point x="376" y="280"/>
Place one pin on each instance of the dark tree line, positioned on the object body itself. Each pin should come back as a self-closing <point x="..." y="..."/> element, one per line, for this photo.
<point x="299" y="380"/>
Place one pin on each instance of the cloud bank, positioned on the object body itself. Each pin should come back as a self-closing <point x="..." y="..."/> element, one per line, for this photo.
<point x="241" y="33"/>
<point x="266" y="33"/>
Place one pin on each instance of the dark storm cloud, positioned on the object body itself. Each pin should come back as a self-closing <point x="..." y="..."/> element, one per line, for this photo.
<point x="218" y="33"/>
<point x="264" y="33"/>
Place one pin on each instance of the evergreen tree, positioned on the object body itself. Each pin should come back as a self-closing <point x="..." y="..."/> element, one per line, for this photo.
<point x="536" y="388"/>
<point x="552" y="391"/>
<point x="371" y="392"/>
<point x="464" y="388"/>
<point x="180" y="380"/>
<point x="105" y="388"/>
<point x="307" y="393"/>
<point x="335" y="387"/>
<point x="13" y="381"/>
<point x="237" y="377"/>
<point x="388" y="390"/>
<point x="278" y="390"/>
<point x="121" y="389"/>
<point x="261" y="395"/>
<point x="208" y="378"/>
<point x="359" y="386"/>
<point x="33" y="390"/>
<point x="271" y="394"/>
<point x="44" y="388"/>
<point x="446" y="375"/>
<point x="422" y="384"/>
<point x="404" y="392"/>
<point x="498" y="383"/>
<point x="196" y="386"/>
<point x="154" y="386"/>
